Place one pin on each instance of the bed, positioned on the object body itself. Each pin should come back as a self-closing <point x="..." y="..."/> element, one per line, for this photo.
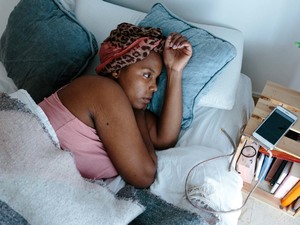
<point x="40" y="183"/>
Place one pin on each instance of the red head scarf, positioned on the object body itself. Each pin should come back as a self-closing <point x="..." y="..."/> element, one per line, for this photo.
<point x="128" y="44"/>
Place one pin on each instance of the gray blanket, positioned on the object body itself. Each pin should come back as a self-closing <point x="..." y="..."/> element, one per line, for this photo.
<point x="41" y="183"/>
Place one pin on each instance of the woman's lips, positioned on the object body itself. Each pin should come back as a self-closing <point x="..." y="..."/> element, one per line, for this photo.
<point x="147" y="100"/>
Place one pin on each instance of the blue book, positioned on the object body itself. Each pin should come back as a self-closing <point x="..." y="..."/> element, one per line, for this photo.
<point x="265" y="166"/>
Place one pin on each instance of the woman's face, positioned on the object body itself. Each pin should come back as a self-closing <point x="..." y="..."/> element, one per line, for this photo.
<point x="139" y="80"/>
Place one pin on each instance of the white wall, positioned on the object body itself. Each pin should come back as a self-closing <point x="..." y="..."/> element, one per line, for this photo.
<point x="270" y="28"/>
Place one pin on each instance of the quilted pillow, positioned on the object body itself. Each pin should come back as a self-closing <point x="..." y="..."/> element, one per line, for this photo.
<point x="43" y="47"/>
<point x="210" y="56"/>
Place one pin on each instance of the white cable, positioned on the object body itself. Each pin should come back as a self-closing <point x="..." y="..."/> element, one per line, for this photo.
<point x="249" y="194"/>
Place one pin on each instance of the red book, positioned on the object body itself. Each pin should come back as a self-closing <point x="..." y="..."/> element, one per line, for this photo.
<point x="273" y="169"/>
<point x="280" y="155"/>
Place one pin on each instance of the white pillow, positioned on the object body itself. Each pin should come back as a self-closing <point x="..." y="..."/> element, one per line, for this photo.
<point x="101" y="17"/>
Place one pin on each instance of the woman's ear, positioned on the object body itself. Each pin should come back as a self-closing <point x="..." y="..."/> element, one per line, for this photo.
<point x="116" y="74"/>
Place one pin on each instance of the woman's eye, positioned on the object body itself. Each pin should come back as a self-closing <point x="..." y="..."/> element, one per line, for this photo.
<point x="147" y="75"/>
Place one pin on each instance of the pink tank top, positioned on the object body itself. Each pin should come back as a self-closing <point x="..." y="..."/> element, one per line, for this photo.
<point x="88" y="151"/>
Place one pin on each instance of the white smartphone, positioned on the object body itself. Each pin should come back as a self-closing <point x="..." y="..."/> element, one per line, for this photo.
<point x="274" y="127"/>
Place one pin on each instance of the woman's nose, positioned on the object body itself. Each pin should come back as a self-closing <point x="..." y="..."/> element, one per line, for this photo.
<point x="153" y="87"/>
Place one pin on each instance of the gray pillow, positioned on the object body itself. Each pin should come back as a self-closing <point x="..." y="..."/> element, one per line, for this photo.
<point x="44" y="46"/>
<point x="210" y="55"/>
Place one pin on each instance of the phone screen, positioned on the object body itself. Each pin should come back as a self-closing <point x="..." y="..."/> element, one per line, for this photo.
<point x="275" y="126"/>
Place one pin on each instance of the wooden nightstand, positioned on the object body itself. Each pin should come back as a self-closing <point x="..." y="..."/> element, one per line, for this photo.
<point x="273" y="94"/>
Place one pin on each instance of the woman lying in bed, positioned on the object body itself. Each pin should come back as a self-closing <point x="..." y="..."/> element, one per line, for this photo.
<point x="103" y="120"/>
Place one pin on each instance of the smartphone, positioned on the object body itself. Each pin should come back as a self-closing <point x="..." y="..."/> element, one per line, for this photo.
<point x="274" y="127"/>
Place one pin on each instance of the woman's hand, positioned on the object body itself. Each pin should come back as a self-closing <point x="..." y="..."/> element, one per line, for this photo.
<point x="164" y="131"/>
<point x="177" y="52"/>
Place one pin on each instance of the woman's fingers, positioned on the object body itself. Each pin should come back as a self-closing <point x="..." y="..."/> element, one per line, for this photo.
<point x="176" y="40"/>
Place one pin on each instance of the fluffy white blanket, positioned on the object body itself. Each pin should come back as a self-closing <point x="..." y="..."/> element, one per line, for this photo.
<point x="41" y="182"/>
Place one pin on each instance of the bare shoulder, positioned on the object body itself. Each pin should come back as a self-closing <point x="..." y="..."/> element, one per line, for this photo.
<point x="92" y="82"/>
<point x="103" y="97"/>
<point x="91" y="88"/>
<point x="91" y="97"/>
<point x="102" y="90"/>
<point x="107" y="97"/>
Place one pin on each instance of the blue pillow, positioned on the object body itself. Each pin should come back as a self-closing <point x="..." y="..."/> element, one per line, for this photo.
<point x="210" y="55"/>
<point x="43" y="47"/>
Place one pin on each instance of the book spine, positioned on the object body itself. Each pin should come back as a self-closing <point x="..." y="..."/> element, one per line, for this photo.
<point x="278" y="172"/>
<point x="265" y="167"/>
<point x="296" y="204"/>
<point x="273" y="169"/>
<point x="259" y="165"/>
<point x="288" y="183"/>
<point x="292" y="195"/>
<point x="283" y="175"/>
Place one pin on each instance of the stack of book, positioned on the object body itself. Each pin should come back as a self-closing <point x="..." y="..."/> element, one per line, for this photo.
<point x="281" y="175"/>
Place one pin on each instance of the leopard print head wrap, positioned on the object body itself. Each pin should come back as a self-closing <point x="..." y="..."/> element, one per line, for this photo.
<point x="128" y="44"/>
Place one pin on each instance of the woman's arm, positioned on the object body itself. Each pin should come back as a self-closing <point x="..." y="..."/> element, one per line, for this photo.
<point x="122" y="134"/>
<point x="164" y="130"/>
<point x="141" y="122"/>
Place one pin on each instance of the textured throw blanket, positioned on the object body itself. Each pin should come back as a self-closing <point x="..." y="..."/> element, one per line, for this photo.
<point x="41" y="183"/>
<point x="159" y="212"/>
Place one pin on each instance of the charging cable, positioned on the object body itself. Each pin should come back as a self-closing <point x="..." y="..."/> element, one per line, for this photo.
<point x="196" y="203"/>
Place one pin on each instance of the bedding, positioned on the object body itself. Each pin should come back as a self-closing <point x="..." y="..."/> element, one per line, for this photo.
<point x="49" y="187"/>
<point x="41" y="182"/>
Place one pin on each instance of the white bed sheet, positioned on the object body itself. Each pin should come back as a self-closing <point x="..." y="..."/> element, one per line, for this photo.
<point x="205" y="140"/>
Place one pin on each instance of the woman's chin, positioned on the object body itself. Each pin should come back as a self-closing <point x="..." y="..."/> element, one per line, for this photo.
<point x="140" y="107"/>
